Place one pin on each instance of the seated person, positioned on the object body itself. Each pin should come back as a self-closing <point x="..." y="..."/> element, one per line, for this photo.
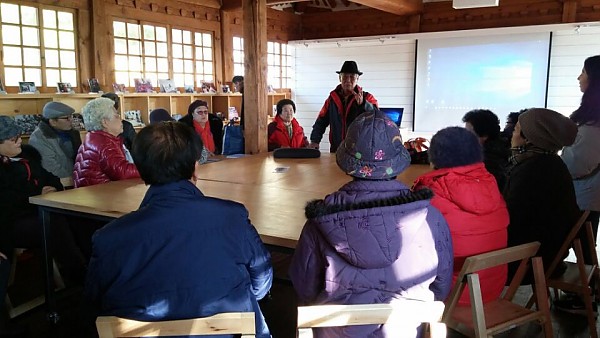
<point x="160" y="115"/>
<point x="22" y="176"/>
<point x="486" y="126"/>
<point x="509" y="126"/>
<point x="128" y="134"/>
<point x="539" y="191"/>
<point x="102" y="157"/>
<point x="469" y="199"/>
<point x="57" y="141"/>
<point x="285" y="131"/>
<point x="212" y="135"/>
<point x="181" y="254"/>
<point x="373" y="240"/>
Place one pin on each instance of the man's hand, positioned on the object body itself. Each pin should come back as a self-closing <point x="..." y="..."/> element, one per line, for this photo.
<point x="313" y="145"/>
<point x="359" y="96"/>
<point x="48" y="189"/>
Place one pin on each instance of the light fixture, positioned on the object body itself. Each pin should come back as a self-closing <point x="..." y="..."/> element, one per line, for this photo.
<point x="462" y="4"/>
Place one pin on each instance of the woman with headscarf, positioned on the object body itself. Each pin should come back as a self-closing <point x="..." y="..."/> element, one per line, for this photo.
<point x="373" y="240"/>
<point x="468" y="197"/>
<point x="285" y="131"/>
<point x="207" y="125"/>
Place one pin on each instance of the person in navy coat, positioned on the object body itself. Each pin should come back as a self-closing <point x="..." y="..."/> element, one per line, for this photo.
<point x="181" y="254"/>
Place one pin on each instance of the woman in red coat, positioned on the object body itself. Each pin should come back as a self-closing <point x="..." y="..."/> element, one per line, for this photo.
<point x="285" y="131"/>
<point x="468" y="197"/>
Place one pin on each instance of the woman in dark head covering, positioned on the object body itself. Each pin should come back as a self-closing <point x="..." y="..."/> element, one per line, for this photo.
<point x="207" y="125"/>
<point x="160" y="115"/>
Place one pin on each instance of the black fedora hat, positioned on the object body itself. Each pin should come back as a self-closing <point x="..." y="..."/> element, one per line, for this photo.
<point x="350" y="67"/>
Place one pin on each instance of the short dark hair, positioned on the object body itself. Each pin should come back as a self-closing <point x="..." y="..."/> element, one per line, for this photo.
<point x="237" y="78"/>
<point x="113" y="97"/>
<point x="285" y="102"/>
<point x="166" y="152"/>
<point x="484" y="122"/>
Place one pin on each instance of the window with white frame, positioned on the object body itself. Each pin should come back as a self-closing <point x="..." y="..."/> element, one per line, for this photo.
<point x="38" y="45"/>
<point x="238" y="56"/>
<point x="279" y="62"/>
<point x="192" y="49"/>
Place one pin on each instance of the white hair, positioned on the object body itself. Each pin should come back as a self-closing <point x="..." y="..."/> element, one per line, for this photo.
<point x="97" y="110"/>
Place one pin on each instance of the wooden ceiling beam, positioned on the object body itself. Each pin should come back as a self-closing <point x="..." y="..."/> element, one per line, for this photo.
<point x="279" y="2"/>
<point x="397" y="7"/>
<point x="207" y="3"/>
<point x="234" y="5"/>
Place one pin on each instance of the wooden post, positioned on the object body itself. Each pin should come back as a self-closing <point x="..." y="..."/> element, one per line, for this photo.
<point x="103" y="46"/>
<point x="255" y="77"/>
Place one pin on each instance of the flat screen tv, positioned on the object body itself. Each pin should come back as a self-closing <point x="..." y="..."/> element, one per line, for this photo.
<point x="395" y="114"/>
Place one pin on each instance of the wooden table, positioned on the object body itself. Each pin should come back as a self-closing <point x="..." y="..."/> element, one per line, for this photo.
<point x="275" y="198"/>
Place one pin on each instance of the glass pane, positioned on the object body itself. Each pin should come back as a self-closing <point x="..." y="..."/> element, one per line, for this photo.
<point x="162" y="64"/>
<point x="121" y="62"/>
<point x="161" y="34"/>
<point x="208" y="77"/>
<point x="52" y="76"/>
<point x="199" y="67"/>
<point x="198" y="53"/>
<point x="176" y="35"/>
<point x="70" y="76"/>
<point x="11" y="35"/>
<point x="161" y="49"/>
<point x="187" y="37"/>
<point x="135" y="47"/>
<point x="29" y="16"/>
<point x="49" y="17"/>
<point x="120" y="46"/>
<point x="187" y="52"/>
<point x="153" y="78"/>
<point x="131" y="77"/>
<point x="66" y="40"/>
<point x="67" y="59"/>
<point x="178" y="79"/>
<point x="149" y="32"/>
<point x="32" y="57"/>
<point x="178" y="65"/>
<point x="237" y="44"/>
<point x="269" y="59"/>
<point x="188" y="79"/>
<point x="122" y="77"/>
<point x="238" y="69"/>
<point x="119" y="29"/>
<point x="34" y="75"/>
<point x="238" y="57"/>
<point x="150" y="64"/>
<point x="283" y="48"/>
<point x="198" y="39"/>
<point x="207" y="54"/>
<point x="269" y="47"/>
<point x="177" y="50"/>
<point x="50" y="38"/>
<point x="276" y="60"/>
<point x="65" y="21"/>
<point x="276" y="48"/>
<point x="208" y="69"/>
<point x="135" y="63"/>
<point x="133" y="30"/>
<point x="207" y="40"/>
<point x="10" y="14"/>
<point x="149" y="48"/>
<point x="12" y="56"/>
<point x="51" y="57"/>
<point x="13" y="76"/>
<point x="31" y="36"/>
<point x="188" y="66"/>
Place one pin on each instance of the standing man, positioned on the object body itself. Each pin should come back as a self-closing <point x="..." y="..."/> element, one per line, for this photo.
<point x="56" y="141"/>
<point x="343" y="105"/>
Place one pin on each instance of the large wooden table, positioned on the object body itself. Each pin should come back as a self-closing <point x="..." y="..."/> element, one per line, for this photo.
<point x="274" y="191"/>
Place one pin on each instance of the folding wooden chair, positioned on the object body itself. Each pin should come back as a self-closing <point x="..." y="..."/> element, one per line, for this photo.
<point x="486" y="320"/>
<point x="222" y="323"/>
<point x="578" y="276"/>
<point x="405" y="311"/>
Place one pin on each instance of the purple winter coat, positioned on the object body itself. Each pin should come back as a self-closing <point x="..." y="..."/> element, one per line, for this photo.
<point x="372" y="242"/>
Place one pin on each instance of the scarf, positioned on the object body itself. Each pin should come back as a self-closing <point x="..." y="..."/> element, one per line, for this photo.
<point x="524" y="152"/>
<point x="205" y="135"/>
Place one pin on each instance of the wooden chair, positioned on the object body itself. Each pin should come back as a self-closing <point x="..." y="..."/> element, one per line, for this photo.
<point x="578" y="275"/>
<point x="486" y="320"/>
<point x="408" y="310"/>
<point x="221" y="323"/>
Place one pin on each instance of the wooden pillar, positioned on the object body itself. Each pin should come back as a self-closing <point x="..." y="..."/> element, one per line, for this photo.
<point x="227" y="46"/>
<point x="103" y="47"/>
<point x="84" y="40"/>
<point x="255" y="77"/>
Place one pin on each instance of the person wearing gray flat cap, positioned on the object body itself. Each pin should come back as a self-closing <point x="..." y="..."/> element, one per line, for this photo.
<point x="57" y="141"/>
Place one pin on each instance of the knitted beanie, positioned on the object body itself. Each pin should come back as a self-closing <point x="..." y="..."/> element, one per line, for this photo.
<point x="8" y="128"/>
<point x="454" y="147"/>
<point x="547" y="129"/>
<point x="196" y="104"/>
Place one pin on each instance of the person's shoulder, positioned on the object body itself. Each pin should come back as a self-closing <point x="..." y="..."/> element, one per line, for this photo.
<point x="30" y="153"/>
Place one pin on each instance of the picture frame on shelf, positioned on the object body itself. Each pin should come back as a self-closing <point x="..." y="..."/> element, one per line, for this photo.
<point x="64" y="87"/>
<point x="94" y="85"/>
<point x="189" y="89"/>
<point x="143" y="85"/>
<point x="26" y="87"/>
<point x="119" y="88"/>
<point x="167" y="86"/>
<point x="209" y="87"/>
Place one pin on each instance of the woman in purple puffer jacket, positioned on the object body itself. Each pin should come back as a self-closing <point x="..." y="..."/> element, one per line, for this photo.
<point x="373" y="240"/>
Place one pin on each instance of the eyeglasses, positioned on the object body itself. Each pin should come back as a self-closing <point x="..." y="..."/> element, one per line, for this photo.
<point x="68" y="117"/>
<point x="201" y="112"/>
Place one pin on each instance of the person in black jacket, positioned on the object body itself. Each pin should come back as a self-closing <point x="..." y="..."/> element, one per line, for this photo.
<point x="216" y="124"/>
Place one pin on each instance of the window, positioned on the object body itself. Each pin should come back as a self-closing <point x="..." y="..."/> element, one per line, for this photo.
<point x="279" y="62"/>
<point x="28" y="33"/>
<point x="142" y="51"/>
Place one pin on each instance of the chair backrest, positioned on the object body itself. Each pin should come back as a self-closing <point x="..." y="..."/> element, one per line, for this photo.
<point x="222" y="323"/>
<point x="567" y="243"/>
<point x="403" y="311"/>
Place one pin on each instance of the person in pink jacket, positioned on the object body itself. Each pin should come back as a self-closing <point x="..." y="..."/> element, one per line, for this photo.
<point x="469" y="199"/>
<point x="102" y="157"/>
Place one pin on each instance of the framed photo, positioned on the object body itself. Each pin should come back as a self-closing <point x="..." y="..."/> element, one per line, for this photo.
<point x="143" y="86"/>
<point x="27" y="87"/>
<point x="119" y="88"/>
<point x="94" y="85"/>
<point x="167" y="86"/>
<point x="189" y="88"/>
<point x="64" y="87"/>
<point x="208" y="87"/>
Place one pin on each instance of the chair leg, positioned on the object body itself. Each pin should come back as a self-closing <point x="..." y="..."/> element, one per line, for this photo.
<point x="476" y="306"/>
<point x="587" y="299"/>
<point x="542" y="295"/>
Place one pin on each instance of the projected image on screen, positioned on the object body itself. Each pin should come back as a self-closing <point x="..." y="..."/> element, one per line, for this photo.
<point x="500" y="73"/>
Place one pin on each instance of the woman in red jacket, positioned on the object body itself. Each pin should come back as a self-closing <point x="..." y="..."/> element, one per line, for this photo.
<point x="102" y="157"/>
<point x="285" y="131"/>
<point x="468" y="197"/>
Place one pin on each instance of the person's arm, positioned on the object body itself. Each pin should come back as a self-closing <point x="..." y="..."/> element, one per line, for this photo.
<point x="50" y="158"/>
<point x="370" y="102"/>
<point x="259" y="262"/>
<point x="272" y="137"/>
<point x="583" y="157"/>
<point x="114" y="163"/>
<point x="442" y="284"/>
<point x="320" y="125"/>
<point x="307" y="269"/>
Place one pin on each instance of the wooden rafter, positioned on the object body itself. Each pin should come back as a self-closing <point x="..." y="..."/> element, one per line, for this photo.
<point x="205" y="3"/>
<point x="279" y="2"/>
<point x="398" y="7"/>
